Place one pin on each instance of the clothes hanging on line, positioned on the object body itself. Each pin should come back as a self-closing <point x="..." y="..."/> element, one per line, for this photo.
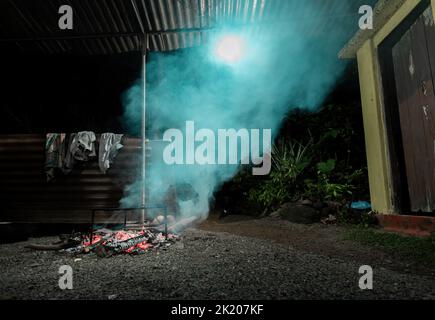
<point x="55" y="154"/>
<point x="110" y="144"/>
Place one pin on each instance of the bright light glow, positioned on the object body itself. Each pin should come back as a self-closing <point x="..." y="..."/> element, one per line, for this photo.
<point x="230" y="49"/>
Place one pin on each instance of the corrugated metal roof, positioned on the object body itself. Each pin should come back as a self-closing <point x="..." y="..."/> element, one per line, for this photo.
<point x="116" y="26"/>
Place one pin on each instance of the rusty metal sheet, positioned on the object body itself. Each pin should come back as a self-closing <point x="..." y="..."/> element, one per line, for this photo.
<point x="26" y="196"/>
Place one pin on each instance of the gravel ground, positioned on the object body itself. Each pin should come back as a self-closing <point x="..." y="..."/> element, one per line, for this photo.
<point x="202" y="265"/>
<point x="318" y="239"/>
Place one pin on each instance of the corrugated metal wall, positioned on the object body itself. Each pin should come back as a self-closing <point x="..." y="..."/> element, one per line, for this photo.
<point x="26" y="196"/>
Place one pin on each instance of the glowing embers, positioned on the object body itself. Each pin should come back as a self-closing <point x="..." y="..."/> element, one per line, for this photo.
<point x="230" y="49"/>
<point x="106" y="243"/>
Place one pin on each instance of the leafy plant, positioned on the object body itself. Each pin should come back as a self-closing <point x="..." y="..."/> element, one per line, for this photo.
<point x="289" y="161"/>
<point x="326" y="167"/>
<point x="324" y="188"/>
<point x="330" y="165"/>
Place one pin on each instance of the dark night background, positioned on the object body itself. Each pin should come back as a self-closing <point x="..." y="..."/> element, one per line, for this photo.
<point x="43" y="94"/>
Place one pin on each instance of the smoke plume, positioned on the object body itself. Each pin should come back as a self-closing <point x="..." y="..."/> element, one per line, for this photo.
<point x="288" y="63"/>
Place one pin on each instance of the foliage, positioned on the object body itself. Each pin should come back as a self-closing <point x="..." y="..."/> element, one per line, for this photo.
<point x="318" y="156"/>
<point x="325" y="189"/>
<point x="418" y="250"/>
<point x="321" y="168"/>
<point x="289" y="161"/>
<point x="326" y="167"/>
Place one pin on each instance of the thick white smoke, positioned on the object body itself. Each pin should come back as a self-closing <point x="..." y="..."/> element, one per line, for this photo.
<point x="287" y="64"/>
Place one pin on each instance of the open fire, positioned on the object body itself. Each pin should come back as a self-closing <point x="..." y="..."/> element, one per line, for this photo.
<point x="107" y="242"/>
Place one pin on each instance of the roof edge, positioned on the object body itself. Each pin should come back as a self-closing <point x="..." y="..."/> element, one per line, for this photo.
<point x="383" y="12"/>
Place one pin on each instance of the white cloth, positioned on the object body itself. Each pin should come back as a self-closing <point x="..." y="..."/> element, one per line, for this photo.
<point x="110" y="143"/>
<point x="80" y="148"/>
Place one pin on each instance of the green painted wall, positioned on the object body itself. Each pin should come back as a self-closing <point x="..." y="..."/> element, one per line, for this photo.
<point x="373" y="111"/>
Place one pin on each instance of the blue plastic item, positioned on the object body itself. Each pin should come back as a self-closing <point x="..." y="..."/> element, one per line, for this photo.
<point x="361" y="205"/>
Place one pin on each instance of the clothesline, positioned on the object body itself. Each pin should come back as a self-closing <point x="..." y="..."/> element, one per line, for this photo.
<point x="63" y="151"/>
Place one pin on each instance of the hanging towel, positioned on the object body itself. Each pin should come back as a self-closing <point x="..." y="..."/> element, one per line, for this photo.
<point x="54" y="154"/>
<point x="110" y="143"/>
<point x="81" y="147"/>
<point x="84" y="146"/>
<point x="68" y="162"/>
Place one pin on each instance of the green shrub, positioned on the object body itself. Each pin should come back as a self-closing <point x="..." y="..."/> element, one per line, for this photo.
<point x="329" y="185"/>
<point x="289" y="161"/>
<point x="324" y="160"/>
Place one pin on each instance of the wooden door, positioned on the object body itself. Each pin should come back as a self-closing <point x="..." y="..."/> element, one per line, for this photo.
<point x="414" y="66"/>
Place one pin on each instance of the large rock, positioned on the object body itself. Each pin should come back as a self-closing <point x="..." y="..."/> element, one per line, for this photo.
<point x="298" y="213"/>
